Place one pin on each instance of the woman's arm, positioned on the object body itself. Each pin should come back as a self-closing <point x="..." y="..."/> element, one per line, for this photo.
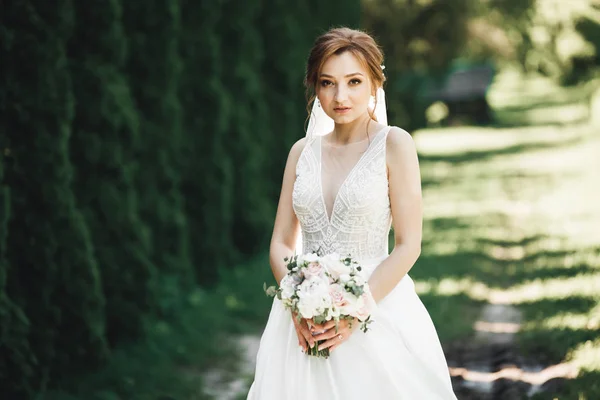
<point x="285" y="233"/>
<point x="286" y="227"/>
<point x="407" y="215"/>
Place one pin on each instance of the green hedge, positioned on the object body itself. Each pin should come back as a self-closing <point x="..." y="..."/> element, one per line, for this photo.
<point x="106" y="136"/>
<point x="142" y="152"/>
<point x="53" y="274"/>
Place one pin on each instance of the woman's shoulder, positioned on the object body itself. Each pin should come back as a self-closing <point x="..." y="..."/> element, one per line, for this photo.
<point x="298" y="147"/>
<point x="397" y="135"/>
<point x="399" y="141"/>
<point x="296" y="150"/>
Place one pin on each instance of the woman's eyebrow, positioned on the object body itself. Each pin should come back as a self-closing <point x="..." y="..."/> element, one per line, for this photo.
<point x="346" y="76"/>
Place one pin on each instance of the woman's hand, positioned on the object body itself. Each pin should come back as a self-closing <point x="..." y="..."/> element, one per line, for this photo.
<point x="332" y="338"/>
<point x="303" y="332"/>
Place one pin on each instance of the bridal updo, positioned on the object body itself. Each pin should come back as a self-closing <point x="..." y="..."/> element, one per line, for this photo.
<point x="335" y="42"/>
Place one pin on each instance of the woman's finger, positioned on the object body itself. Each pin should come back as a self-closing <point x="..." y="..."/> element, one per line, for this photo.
<point x="306" y="333"/>
<point x="330" y="324"/>
<point x="322" y="327"/>
<point x="301" y="340"/>
<point x="335" y="346"/>
<point x="303" y="332"/>
<point x="332" y="330"/>
<point x="332" y="333"/>
<point x="332" y="342"/>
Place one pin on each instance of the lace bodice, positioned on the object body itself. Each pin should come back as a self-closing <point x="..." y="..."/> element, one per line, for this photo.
<point x="360" y="218"/>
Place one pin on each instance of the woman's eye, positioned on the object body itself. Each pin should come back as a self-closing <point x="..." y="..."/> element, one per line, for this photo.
<point x="326" y="83"/>
<point x="355" y="81"/>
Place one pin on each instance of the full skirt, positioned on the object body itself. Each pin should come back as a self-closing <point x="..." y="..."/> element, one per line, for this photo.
<point x="399" y="357"/>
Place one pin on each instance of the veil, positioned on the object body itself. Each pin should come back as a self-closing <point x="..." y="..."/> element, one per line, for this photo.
<point x="320" y="124"/>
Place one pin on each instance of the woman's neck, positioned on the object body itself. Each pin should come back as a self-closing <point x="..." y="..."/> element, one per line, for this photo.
<point x="352" y="132"/>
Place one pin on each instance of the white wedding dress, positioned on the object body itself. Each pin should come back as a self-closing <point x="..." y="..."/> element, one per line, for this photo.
<point x="400" y="357"/>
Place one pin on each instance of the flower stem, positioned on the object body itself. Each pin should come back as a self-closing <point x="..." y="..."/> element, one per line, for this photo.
<point x="314" y="351"/>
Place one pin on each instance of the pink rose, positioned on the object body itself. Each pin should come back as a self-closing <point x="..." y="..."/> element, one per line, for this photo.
<point x="362" y="313"/>
<point x="366" y="307"/>
<point x="337" y="295"/>
<point x="313" y="269"/>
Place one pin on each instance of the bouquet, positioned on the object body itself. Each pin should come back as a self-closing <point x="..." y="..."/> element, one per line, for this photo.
<point x="324" y="288"/>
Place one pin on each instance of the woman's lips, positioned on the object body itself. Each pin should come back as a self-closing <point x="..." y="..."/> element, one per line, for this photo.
<point x="342" y="110"/>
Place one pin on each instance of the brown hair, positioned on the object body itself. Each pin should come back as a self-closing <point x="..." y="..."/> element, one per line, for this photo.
<point x="337" y="41"/>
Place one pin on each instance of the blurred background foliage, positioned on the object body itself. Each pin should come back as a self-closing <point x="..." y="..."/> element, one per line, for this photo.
<point x="143" y="146"/>
<point x="424" y="40"/>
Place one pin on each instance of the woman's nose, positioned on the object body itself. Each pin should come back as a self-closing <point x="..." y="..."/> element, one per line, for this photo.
<point x="341" y="94"/>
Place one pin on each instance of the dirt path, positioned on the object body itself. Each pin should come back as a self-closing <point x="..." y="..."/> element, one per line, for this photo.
<point x="488" y="366"/>
<point x="224" y="384"/>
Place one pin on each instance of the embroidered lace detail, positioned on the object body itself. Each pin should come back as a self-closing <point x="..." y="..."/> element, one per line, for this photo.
<point x="360" y="220"/>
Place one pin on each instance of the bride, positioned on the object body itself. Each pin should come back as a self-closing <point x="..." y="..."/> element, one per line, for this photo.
<point x="343" y="187"/>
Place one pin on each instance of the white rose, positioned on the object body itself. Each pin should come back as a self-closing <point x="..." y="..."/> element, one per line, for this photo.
<point x="334" y="265"/>
<point x="313" y="296"/>
<point x="350" y="304"/>
<point x="307" y="258"/>
<point x="344" y="278"/>
<point x="288" y="288"/>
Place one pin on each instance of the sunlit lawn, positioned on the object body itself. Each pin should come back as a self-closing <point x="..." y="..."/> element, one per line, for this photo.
<point x="514" y="214"/>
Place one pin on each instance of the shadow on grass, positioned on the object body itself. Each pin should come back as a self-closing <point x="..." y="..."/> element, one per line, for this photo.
<point x="443" y="311"/>
<point x="540" y="103"/>
<point x="507" y="119"/>
<point x="525" y="241"/>
<point x="583" y="387"/>
<point x="542" y="180"/>
<point x="551" y="346"/>
<point x="477" y="266"/>
<point x="523" y="275"/>
<point x="554" y="342"/>
<point x="483" y="155"/>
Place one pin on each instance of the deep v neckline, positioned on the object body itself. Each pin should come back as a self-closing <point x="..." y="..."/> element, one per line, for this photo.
<point x="350" y="173"/>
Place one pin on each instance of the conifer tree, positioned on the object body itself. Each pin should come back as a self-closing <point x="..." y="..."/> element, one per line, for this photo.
<point x="103" y="144"/>
<point x="55" y="280"/>
<point x="153" y="67"/>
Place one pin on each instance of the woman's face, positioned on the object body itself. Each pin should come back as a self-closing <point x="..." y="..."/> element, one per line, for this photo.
<point x="344" y="88"/>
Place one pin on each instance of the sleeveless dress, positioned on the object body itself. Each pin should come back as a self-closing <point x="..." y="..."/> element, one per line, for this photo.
<point x="400" y="357"/>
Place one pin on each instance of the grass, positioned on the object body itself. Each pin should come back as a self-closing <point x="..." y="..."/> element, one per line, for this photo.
<point x="512" y="212"/>
<point x="170" y="363"/>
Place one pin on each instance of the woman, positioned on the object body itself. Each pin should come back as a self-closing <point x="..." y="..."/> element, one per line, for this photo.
<point x="343" y="186"/>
